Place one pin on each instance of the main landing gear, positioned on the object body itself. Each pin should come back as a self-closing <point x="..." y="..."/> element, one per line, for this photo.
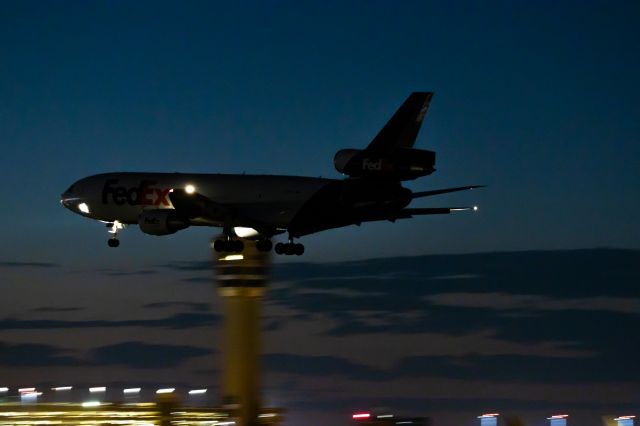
<point x="290" y="248"/>
<point x="228" y="246"/>
<point x="114" y="227"/>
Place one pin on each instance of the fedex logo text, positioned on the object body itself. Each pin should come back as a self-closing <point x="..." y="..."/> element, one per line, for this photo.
<point x="144" y="194"/>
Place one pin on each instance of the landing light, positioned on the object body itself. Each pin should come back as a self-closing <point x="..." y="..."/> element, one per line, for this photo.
<point x="475" y="208"/>
<point x="84" y="208"/>
<point x="190" y="189"/>
<point x="244" y="232"/>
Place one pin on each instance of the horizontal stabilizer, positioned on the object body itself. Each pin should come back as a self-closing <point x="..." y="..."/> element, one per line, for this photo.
<point x="444" y="191"/>
<point x="433" y="210"/>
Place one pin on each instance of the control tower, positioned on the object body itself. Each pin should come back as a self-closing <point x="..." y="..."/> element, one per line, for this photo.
<point x="241" y="281"/>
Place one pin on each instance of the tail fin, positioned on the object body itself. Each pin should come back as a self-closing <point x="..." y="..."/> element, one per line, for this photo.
<point x="402" y="129"/>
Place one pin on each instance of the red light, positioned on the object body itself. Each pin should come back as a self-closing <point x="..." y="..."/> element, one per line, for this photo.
<point x="360" y="416"/>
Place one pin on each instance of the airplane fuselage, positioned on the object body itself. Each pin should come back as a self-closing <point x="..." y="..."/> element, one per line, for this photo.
<point x="124" y="196"/>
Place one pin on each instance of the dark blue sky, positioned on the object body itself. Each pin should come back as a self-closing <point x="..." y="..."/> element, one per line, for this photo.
<point x="536" y="99"/>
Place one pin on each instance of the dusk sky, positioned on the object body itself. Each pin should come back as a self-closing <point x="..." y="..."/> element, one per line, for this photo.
<point x="537" y="100"/>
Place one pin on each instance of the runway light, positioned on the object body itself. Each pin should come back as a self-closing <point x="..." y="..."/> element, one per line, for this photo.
<point x="197" y="391"/>
<point x="385" y="416"/>
<point x="190" y="189"/>
<point x="26" y="390"/>
<point x="267" y="415"/>
<point x="232" y="257"/>
<point x="131" y="390"/>
<point x="89" y="404"/>
<point x="98" y="389"/>
<point x="166" y="390"/>
<point x="62" y="388"/>
<point x="84" y="208"/>
<point x="359" y="416"/>
<point x="4" y="389"/>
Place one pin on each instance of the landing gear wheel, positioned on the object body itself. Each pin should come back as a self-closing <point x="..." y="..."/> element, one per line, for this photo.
<point x="113" y="242"/>
<point x="280" y="248"/>
<point x="264" y="245"/>
<point x="298" y="249"/>
<point x="236" y="246"/>
<point x="218" y="246"/>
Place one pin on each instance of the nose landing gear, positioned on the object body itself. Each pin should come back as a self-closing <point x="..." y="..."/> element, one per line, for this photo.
<point x="114" y="227"/>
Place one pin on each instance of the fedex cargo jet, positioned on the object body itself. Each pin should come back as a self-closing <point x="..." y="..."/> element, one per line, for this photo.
<point x="258" y="207"/>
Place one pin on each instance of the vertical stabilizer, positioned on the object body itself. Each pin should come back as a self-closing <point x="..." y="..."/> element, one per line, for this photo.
<point x="402" y="129"/>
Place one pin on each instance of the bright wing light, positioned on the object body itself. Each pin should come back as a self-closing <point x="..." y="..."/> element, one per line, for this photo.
<point x="84" y="208"/>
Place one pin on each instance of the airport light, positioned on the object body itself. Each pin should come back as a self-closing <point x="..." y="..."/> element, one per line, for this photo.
<point x="4" y="390"/>
<point x="89" y="404"/>
<point x="98" y="389"/>
<point x="385" y="416"/>
<point x="361" y="416"/>
<point x="62" y="388"/>
<point x="190" y="189"/>
<point x="232" y="257"/>
<point x="197" y="391"/>
<point x="130" y="391"/>
<point x="165" y="390"/>
<point x="26" y="390"/>
<point x="267" y="415"/>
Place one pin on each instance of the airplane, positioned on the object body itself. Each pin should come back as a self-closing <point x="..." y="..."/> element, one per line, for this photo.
<point x="258" y="207"/>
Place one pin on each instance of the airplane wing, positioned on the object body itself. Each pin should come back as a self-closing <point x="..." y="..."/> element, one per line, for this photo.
<point x="197" y="207"/>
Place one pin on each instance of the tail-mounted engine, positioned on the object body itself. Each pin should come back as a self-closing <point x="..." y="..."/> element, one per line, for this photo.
<point x="161" y="222"/>
<point x="401" y="164"/>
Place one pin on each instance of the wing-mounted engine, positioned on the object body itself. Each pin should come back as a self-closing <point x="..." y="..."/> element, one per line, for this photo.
<point x="400" y="164"/>
<point x="161" y="222"/>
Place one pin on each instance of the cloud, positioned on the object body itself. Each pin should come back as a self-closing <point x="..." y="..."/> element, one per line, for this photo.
<point x="527" y="302"/>
<point x="146" y="355"/>
<point x="114" y="273"/>
<point x="56" y="309"/>
<point x="28" y="264"/>
<point x="194" y="306"/>
<point x="34" y="355"/>
<point x="177" y="321"/>
<point x="321" y="366"/>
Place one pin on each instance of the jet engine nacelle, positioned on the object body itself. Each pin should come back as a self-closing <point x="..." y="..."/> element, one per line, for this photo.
<point x="161" y="222"/>
<point x="401" y="164"/>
